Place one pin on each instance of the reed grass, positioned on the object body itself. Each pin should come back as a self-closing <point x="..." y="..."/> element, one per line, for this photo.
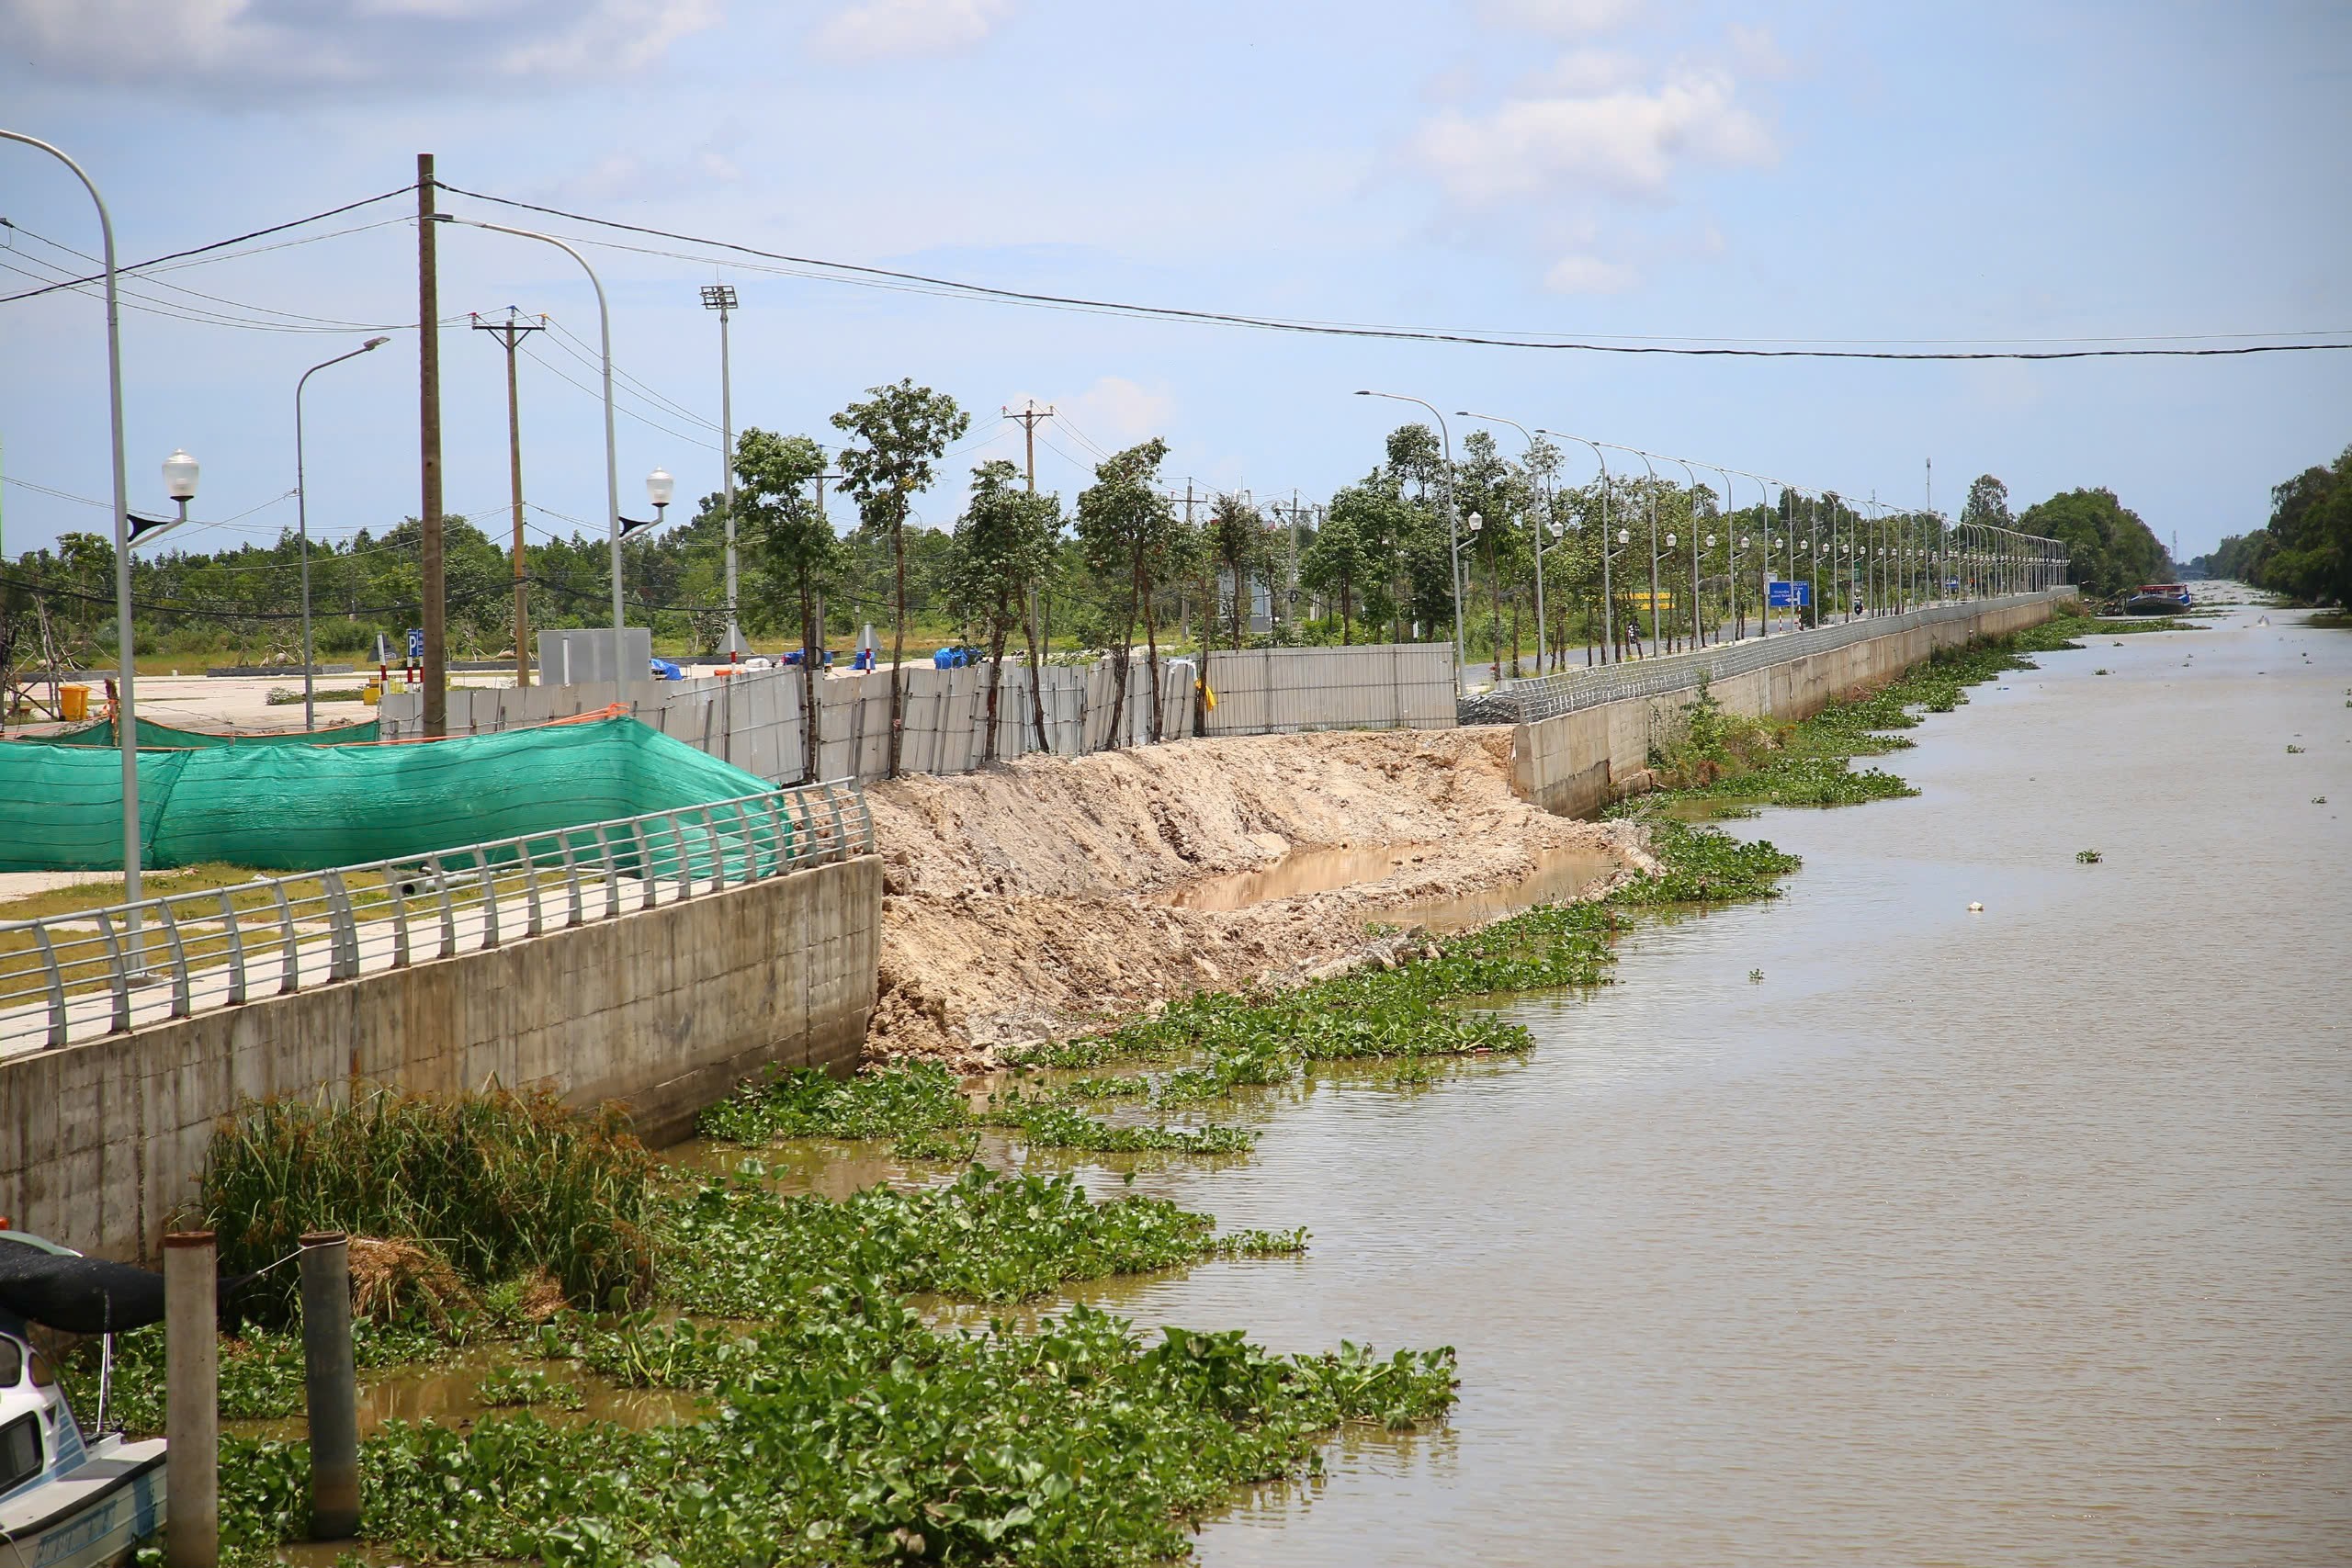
<point x="495" y="1186"/>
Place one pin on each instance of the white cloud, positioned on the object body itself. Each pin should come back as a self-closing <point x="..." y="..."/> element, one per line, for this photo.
<point x="1589" y="275"/>
<point x="1628" y="141"/>
<point x="877" y="29"/>
<point x="1566" y="18"/>
<point x="341" y="43"/>
<point x="1582" y="73"/>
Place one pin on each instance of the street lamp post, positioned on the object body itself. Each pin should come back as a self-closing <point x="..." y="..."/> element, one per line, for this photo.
<point x="125" y="704"/>
<point x="1698" y="638"/>
<point x="1654" y="587"/>
<point x="302" y="525"/>
<point x="1608" y="607"/>
<point x="1540" y="522"/>
<point x="612" y="454"/>
<point x="721" y="296"/>
<point x="1453" y="529"/>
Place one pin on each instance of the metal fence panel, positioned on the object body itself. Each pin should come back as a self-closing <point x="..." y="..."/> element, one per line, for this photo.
<point x="86" y="974"/>
<point x="1551" y="695"/>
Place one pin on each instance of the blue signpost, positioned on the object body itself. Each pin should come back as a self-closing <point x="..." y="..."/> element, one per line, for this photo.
<point x="1788" y="595"/>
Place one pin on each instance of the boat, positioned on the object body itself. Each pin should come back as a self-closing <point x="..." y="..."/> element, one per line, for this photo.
<point x="2157" y="599"/>
<point x="67" y="1500"/>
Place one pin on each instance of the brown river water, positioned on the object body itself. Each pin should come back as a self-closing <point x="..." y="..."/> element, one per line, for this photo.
<point x="2021" y="1236"/>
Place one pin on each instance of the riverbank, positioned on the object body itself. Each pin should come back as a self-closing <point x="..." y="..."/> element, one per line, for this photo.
<point x="822" y="1401"/>
<point x="1035" y="900"/>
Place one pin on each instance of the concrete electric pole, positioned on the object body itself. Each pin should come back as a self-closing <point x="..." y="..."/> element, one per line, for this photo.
<point x="509" y="334"/>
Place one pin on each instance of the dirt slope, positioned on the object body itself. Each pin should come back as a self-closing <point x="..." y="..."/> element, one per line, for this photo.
<point x="1026" y="901"/>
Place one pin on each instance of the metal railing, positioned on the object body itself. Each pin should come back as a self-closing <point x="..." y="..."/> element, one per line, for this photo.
<point x="1549" y="696"/>
<point x="94" y="972"/>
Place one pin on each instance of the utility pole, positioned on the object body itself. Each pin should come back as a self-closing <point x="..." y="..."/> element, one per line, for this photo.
<point x="508" y="335"/>
<point x="721" y="296"/>
<point x="1029" y="418"/>
<point x="428" y="425"/>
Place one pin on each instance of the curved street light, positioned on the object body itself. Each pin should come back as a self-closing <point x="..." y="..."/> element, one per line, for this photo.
<point x="1608" y="605"/>
<point x="612" y="452"/>
<point x="302" y="525"/>
<point x="125" y="700"/>
<point x="1546" y="494"/>
<point x="1452" y="526"/>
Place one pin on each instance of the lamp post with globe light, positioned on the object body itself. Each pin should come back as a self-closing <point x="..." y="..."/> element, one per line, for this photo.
<point x="1452" y="527"/>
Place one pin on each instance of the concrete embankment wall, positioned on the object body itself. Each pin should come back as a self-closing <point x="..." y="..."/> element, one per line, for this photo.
<point x="664" y="1009"/>
<point x="1578" y="763"/>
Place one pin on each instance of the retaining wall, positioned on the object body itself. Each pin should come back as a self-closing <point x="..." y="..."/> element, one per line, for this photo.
<point x="664" y="1009"/>
<point x="1580" y="761"/>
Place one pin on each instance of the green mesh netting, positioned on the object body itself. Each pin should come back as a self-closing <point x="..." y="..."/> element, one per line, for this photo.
<point x="309" y="807"/>
<point x="164" y="737"/>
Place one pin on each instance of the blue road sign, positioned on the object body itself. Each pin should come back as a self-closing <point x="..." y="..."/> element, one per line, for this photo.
<point x="415" y="645"/>
<point x="1784" y="595"/>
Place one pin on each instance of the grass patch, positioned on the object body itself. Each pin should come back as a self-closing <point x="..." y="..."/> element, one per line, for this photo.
<point x="494" y="1187"/>
<point x="1729" y="762"/>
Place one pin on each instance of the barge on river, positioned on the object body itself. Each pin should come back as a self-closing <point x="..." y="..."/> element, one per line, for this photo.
<point x="2157" y="599"/>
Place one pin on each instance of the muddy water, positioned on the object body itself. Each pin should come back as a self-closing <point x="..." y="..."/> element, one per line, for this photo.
<point x="1560" y="874"/>
<point x="1315" y="870"/>
<point x="2019" y="1236"/>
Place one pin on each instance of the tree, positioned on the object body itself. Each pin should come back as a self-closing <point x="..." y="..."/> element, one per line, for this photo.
<point x="2109" y="549"/>
<point x="1988" y="503"/>
<point x="1002" y="545"/>
<point x="1236" y="544"/>
<point x="1132" y="538"/>
<point x="2311" y="534"/>
<point x="896" y="434"/>
<point x="776" y="509"/>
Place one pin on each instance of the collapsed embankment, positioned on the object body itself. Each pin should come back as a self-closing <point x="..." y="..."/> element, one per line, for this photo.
<point x="1031" y="900"/>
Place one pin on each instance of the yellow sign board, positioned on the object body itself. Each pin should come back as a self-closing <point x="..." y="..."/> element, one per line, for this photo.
<point x="1642" y="600"/>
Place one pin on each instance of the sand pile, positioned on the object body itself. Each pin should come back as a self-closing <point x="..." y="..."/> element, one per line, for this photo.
<point x="1028" y="901"/>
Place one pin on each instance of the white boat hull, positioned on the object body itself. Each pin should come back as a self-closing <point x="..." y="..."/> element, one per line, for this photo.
<point x="93" y="1516"/>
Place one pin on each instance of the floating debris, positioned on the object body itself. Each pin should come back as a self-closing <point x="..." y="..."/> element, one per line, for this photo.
<point x="1976" y="909"/>
<point x="2086" y="857"/>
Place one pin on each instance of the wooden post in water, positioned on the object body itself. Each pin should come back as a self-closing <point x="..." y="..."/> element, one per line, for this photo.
<point x="191" y="1400"/>
<point x="330" y="1386"/>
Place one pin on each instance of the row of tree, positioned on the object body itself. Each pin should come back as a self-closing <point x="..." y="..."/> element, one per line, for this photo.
<point x="1631" y="560"/>
<point x="2305" y="549"/>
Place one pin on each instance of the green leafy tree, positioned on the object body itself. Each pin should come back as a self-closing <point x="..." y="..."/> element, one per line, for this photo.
<point x="2109" y="549"/>
<point x="1002" y="545"/>
<point x="1235" y="545"/>
<point x="1134" y="543"/>
<point x="1987" y="503"/>
<point x="776" y="509"/>
<point x="2310" y="534"/>
<point x="895" y="435"/>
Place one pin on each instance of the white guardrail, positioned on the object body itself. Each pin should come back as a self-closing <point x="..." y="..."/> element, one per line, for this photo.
<point x="1549" y="696"/>
<point x="90" y="973"/>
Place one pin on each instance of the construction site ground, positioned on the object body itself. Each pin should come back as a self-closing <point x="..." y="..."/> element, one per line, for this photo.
<point x="1036" y="899"/>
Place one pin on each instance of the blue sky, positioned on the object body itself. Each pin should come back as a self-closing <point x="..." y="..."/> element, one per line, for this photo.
<point x="1640" y="169"/>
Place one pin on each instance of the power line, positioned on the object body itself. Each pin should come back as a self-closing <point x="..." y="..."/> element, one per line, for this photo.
<point x="218" y="244"/>
<point x="889" y="276"/>
<point x="319" y="321"/>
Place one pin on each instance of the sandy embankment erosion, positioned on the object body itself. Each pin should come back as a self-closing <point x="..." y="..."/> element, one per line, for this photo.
<point x="1031" y="900"/>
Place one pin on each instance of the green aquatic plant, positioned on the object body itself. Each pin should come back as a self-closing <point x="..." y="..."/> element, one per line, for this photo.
<point x="2087" y="857"/>
<point x="857" y="1435"/>
<point x="737" y="1249"/>
<point x="514" y="1388"/>
<point x="805" y="1102"/>
<point x="2293" y="750"/>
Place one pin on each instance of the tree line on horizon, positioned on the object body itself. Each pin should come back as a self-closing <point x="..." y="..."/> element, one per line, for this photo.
<point x="1122" y="567"/>
<point x="2305" y="551"/>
